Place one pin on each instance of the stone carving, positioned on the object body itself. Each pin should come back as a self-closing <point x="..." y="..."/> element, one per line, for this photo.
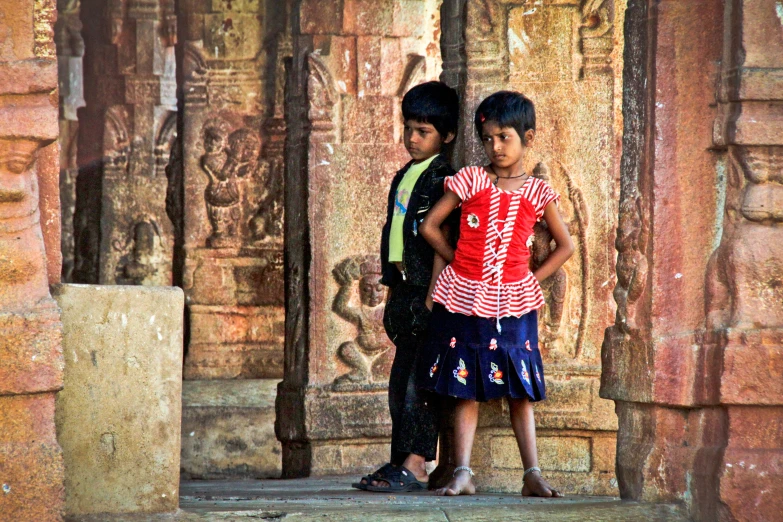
<point x="556" y="287"/>
<point x="267" y="223"/>
<point x="228" y="160"/>
<point x="371" y="342"/>
<point x="754" y="199"/>
<point x="323" y="98"/>
<point x="116" y="140"/>
<point x="596" y="43"/>
<point x="144" y="261"/>
<point x="631" y="245"/>
<point x="164" y="144"/>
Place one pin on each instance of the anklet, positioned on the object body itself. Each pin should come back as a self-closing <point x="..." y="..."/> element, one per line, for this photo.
<point x="463" y="468"/>
<point x="530" y="470"/>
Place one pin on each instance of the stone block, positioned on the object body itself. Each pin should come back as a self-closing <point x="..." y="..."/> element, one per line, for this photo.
<point x="30" y="350"/>
<point x="413" y="18"/>
<point x="557" y="453"/>
<point x="321" y="17"/>
<point x="368" y="17"/>
<point x="751" y="478"/>
<point x="28" y="76"/>
<point x="119" y="414"/>
<point x="368" y="50"/>
<point x="31" y="463"/>
<point x="17" y="18"/>
<point x="228" y="430"/>
<point x="354" y="457"/>
<point x="753" y="368"/>
<point x="235" y="342"/>
<point x="369" y="120"/>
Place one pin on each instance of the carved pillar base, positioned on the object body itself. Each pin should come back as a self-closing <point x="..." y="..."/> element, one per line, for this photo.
<point x="326" y="432"/>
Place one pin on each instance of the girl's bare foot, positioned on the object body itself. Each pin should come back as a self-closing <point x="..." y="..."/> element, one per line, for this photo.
<point x="537" y="486"/>
<point x="460" y="484"/>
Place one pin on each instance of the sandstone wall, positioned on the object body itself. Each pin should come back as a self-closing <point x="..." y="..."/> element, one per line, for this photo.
<point x="691" y="358"/>
<point x="31" y="466"/>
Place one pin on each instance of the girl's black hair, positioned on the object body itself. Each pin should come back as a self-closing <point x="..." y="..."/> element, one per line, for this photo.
<point x="435" y="103"/>
<point x="507" y="109"/>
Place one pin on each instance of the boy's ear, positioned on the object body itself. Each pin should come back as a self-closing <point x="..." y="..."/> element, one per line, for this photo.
<point x="449" y="137"/>
<point x="529" y="137"/>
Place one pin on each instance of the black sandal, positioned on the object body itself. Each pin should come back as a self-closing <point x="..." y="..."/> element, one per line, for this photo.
<point x="400" y="480"/>
<point x="379" y="474"/>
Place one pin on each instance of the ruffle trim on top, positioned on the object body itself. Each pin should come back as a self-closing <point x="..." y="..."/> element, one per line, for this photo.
<point x="480" y="298"/>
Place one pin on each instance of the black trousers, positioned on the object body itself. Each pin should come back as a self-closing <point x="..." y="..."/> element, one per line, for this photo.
<point x="413" y="411"/>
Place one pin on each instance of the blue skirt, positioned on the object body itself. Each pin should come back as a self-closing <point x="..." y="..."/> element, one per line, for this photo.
<point x="466" y="357"/>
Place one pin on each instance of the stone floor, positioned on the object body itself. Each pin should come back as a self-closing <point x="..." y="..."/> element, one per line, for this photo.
<point x="331" y="498"/>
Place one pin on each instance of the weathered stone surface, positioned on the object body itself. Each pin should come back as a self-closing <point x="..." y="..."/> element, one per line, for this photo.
<point x="126" y="133"/>
<point x="232" y="181"/>
<point x="343" y="147"/>
<point x="119" y="414"/>
<point x="228" y="429"/>
<point x="31" y="465"/>
<point x="692" y="360"/>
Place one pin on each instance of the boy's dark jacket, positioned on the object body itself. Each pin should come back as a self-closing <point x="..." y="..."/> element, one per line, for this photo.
<point x="418" y="255"/>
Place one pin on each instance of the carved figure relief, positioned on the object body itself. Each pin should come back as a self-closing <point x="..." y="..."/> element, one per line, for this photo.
<point x="555" y="288"/>
<point x="22" y="261"/>
<point x="631" y="245"/>
<point x="267" y="223"/>
<point x="362" y="273"/>
<point x="228" y="160"/>
<point x="144" y="261"/>
<point x="744" y="283"/>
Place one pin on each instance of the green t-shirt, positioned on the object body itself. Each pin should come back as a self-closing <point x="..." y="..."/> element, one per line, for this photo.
<point x="401" y="200"/>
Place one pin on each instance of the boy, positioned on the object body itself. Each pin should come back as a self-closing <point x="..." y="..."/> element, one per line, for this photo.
<point x="431" y="112"/>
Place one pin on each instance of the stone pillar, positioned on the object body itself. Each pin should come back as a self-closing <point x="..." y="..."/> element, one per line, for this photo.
<point x="70" y="50"/>
<point x="567" y="57"/>
<point x="31" y="467"/>
<point x="232" y="60"/>
<point x="353" y="61"/>
<point x="692" y="360"/>
<point x="122" y="232"/>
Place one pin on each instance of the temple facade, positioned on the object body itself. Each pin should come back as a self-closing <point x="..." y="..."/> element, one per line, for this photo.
<point x="241" y="150"/>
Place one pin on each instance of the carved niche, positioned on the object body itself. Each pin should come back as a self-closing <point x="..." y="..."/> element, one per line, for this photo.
<point x="144" y="260"/>
<point x="360" y="300"/>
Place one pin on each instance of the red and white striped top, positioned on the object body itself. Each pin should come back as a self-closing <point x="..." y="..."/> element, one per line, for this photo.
<point x="490" y="276"/>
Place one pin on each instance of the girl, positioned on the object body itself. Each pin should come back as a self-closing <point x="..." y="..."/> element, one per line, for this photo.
<point x="484" y="338"/>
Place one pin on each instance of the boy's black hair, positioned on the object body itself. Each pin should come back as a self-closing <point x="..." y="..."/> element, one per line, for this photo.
<point x="507" y="109"/>
<point x="435" y="103"/>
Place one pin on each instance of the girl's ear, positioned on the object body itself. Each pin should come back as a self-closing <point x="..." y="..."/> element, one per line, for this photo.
<point x="529" y="137"/>
<point x="449" y="137"/>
